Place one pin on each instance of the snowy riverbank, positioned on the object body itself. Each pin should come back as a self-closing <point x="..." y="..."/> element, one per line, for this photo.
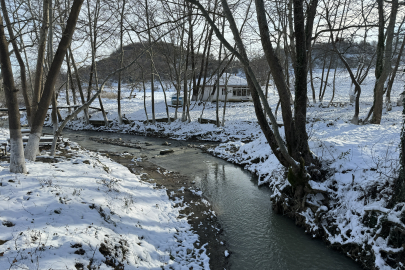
<point x="83" y="210"/>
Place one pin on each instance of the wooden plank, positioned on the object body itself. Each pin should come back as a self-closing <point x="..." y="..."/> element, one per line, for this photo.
<point x="43" y="141"/>
<point x="99" y="123"/>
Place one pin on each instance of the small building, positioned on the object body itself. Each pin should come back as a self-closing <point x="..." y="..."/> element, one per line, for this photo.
<point x="235" y="87"/>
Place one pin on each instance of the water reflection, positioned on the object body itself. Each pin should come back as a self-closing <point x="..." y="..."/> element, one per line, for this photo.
<point x="258" y="238"/>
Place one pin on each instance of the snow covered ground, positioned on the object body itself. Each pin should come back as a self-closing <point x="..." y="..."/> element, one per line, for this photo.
<point x="362" y="161"/>
<point x="88" y="212"/>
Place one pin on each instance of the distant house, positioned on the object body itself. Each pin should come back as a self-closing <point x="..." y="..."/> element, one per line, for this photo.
<point x="234" y="86"/>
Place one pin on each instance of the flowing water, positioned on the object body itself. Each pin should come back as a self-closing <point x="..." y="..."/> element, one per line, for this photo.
<point x="256" y="237"/>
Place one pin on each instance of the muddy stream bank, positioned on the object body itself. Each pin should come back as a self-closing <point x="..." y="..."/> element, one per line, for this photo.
<point x="243" y="225"/>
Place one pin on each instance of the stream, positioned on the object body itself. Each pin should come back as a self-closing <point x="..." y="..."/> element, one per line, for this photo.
<point x="256" y="237"/>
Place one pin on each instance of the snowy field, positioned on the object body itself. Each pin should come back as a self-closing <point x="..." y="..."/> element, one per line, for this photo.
<point x="362" y="160"/>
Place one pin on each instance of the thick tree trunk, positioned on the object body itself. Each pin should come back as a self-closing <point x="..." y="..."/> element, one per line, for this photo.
<point x="17" y="162"/>
<point x="300" y="104"/>
<point x="39" y="118"/>
<point x="19" y="59"/>
<point x="385" y="70"/>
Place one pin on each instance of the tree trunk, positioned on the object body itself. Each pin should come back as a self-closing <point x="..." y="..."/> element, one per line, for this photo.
<point x="327" y="77"/>
<point x="99" y="98"/>
<point x="322" y="81"/>
<point x="68" y="82"/>
<point x="226" y="97"/>
<point x="50" y="58"/>
<point x="144" y="94"/>
<point x="19" y="59"/>
<point x="278" y="76"/>
<point x="152" y="79"/>
<point x="219" y="76"/>
<point x="399" y="184"/>
<point x="40" y="59"/>
<point x="393" y="74"/>
<point x="164" y="94"/>
<point x="185" y="91"/>
<point x="39" y="118"/>
<point x="121" y="62"/>
<point x="93" y="40"/>
<point x="334" y="87"/>
<point x="17" y="161"/>
<point x="384" y="60"/>
<point x="300" y="104"/>
<point x="79" y="86"/>
<point x="312" y="79"/>
<point x="268" y="84"/>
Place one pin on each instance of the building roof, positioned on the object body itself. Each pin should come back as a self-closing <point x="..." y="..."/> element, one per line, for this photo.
<point x="233" y="80"/>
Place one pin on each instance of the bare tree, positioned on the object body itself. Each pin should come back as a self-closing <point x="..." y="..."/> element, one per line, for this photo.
<point x="40" y="60"/>
<point x="152" y="80"/>
<point x="361" y="74"/>
<point x="399" y="183"/>
<point x="384" y="54"/>
<point x="39" y="117"/>
<point x="17" y="162"/>
<point x="93" y="31"/>
<point x="19" y="59"/>
<point x="122" y="14"/>
<point x="54" y="114"/>
<point x="393" y="74"/>
<point x="219" y="75"/>
<point x="79" y="85"/>
<point x="296" y="154"/>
